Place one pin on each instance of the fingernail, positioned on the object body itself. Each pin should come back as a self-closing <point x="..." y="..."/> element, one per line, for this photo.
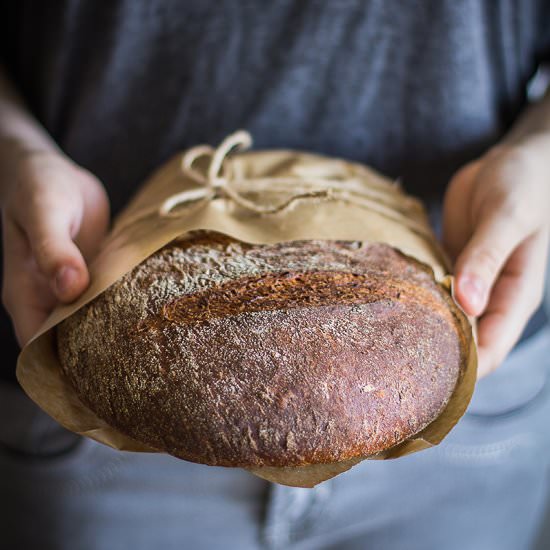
<point x="64" y="280"/>
<point x="473" y="288"/>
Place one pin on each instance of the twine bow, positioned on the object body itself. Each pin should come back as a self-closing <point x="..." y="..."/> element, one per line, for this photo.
<point x="224" y="179"/>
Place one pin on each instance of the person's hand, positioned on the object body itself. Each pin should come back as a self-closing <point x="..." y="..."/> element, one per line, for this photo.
<point x="55" y="214"/>
<point x="496" y="227"/>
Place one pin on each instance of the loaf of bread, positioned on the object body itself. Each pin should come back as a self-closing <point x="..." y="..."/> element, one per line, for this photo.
<point x="283" y="355"/>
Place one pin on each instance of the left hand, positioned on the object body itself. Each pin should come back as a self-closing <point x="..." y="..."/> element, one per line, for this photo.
<point x="496" y="219"/>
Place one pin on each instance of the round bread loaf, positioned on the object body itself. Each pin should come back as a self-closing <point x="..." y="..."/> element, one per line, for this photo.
<point x="290" y="354"/>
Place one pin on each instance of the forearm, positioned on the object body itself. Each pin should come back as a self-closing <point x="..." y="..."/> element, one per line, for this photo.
<point x="20" y="132"/>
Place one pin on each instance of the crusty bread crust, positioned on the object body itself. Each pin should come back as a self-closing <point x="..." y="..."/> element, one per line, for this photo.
<point x="232" y="354"/>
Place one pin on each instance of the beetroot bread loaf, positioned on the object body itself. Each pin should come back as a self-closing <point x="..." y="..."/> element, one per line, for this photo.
<point x="291" y="354"/>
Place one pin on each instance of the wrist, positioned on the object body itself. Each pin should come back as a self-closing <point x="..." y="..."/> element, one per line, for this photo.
<point x="530" y="152"/>
<point x="535" y="146"/>
<point x="13" y="149"/>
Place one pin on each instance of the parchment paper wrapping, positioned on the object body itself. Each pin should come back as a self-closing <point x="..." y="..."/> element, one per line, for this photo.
<point x="339" y="200"/>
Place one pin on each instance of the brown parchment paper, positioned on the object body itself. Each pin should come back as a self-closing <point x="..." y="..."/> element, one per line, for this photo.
<point x="139" y="231"/>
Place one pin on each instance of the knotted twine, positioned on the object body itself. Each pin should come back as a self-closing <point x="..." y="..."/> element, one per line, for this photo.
<point x="225" y="180"/>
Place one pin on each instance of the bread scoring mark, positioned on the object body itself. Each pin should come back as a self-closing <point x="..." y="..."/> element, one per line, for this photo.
<point x="277" y="291"/>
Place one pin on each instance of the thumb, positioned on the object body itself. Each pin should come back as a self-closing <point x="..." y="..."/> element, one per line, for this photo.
<point x="50" y="234"/>
<point x="494" y="239"/>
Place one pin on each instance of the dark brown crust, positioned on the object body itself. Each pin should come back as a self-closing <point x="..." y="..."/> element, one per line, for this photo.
<point x="267" y="355"/>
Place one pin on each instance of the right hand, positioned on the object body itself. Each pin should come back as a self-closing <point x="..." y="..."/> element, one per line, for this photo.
<point x="55" y="215"/>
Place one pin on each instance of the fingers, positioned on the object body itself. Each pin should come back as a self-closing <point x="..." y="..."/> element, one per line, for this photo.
<point x="495" y="237"/>
<point x="508" y="203"/>
<point x="95" y="217"/>
<point x="495" y="227"/>
<point x="49" y="229"/>
<point x="25" y="294"/>
<point x="456" y="209"/>
<point x="515" y="297"/>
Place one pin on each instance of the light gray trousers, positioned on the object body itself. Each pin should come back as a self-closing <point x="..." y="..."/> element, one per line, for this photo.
<point x="483" y="488"/>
